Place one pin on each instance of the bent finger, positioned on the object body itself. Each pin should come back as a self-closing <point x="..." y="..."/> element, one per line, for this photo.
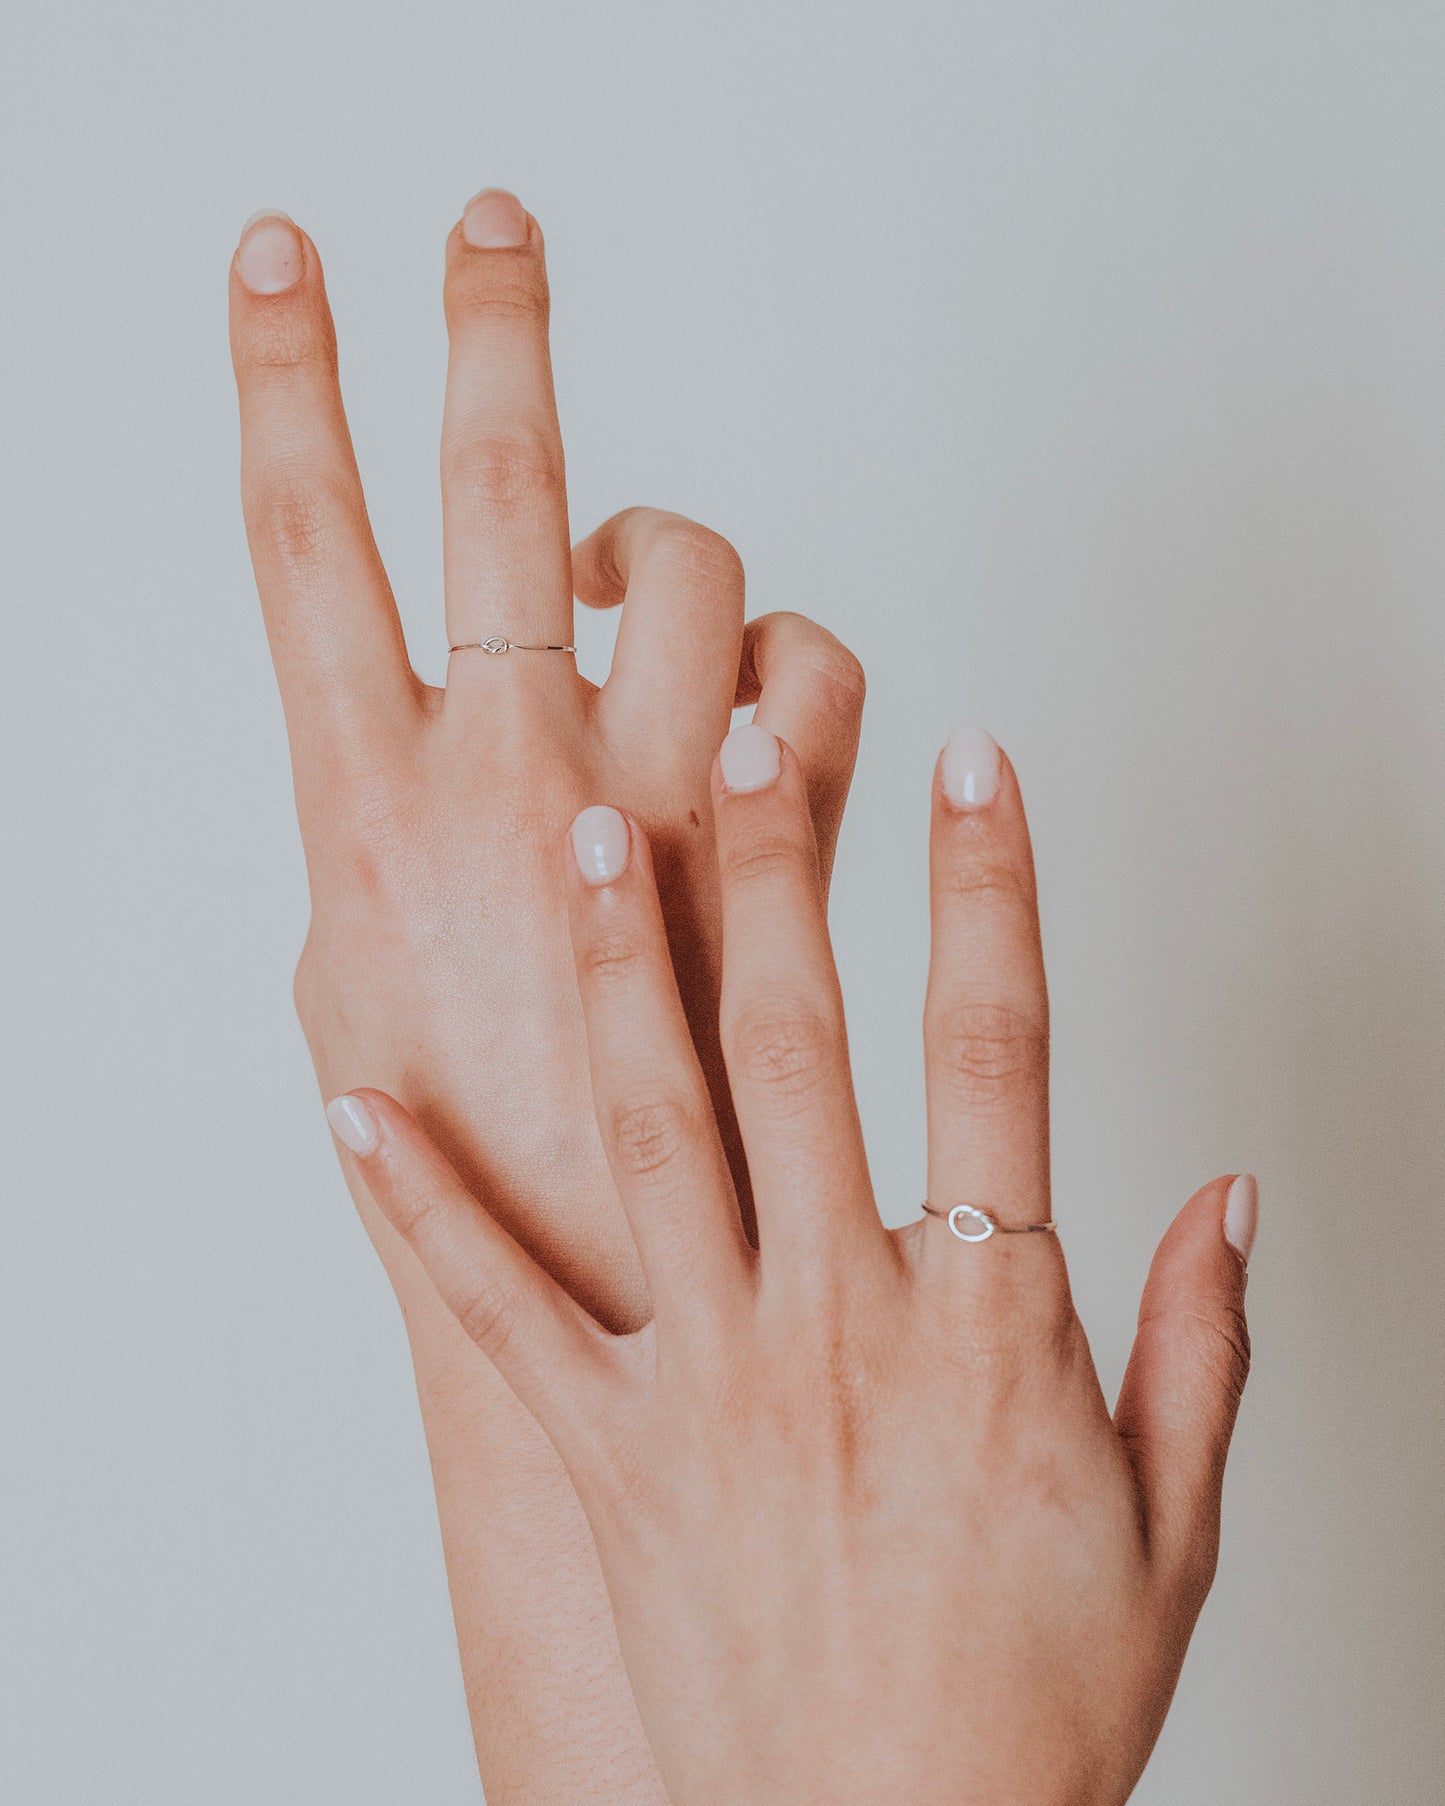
<point x="809" y="690"/>
<point x="681" y="587"/>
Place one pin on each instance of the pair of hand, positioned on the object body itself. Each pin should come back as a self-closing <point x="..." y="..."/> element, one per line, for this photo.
<point x="867" y="1526"/>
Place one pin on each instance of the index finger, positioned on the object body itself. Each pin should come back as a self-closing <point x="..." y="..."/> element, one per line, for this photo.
<point x="335" y="637"/>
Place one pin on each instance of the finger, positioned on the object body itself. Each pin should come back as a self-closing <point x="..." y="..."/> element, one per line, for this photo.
<point x="335" y="636"/>
<point x="556" y="1359"/>
<point x="985" y="1033"/>
<point x="783" y="1032"/>
<point x="676" y="658"/>
<point x="809" y="689"/>
<point x="652" y="1101"/>
<point x="986" y="1014"/>
<point x="506" y="555"/>
<point x="1187" y="1371"/>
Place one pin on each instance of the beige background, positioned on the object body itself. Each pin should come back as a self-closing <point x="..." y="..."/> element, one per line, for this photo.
<point x="1084" y="367"/>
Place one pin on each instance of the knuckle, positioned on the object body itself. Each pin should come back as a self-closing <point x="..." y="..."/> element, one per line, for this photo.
<point x="373" y="827"/>
<point x="763" y="858"/>
<point x="1200" y="1564"/>
<point x="613" y="956"/>
<point x="513" y="288"/>
<point x="503" y="472"/>
<point x="488" y="1315"/>
<point x="978" y="878"/>
<point x="306" y="989"/>
<point x="1220" y="1342"/>
<point x="841" y="681"/>
<point x="296" y="519"/>
<point x="835" y="674"/>
<point x="647" y="1134"/>
<point x="413" y="1207"/>
<point x="781" y="1046"/>
<point x="988" y="1051"/>
<point x="284" y="340"/>
<point x="697" y="554"/>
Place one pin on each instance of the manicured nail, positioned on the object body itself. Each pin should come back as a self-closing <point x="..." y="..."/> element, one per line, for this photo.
<point x="494" y="220"/>
<point x="1241" y="1214"/>
<point x="750" y="758"/>
<point x="270" y="258"/>
<point x="601" y="841"/>
<point x="970" y="768"/>
<point x="353" y="1124"/>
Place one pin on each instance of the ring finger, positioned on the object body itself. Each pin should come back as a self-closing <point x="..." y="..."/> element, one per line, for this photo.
<point x="986" y="1032"/>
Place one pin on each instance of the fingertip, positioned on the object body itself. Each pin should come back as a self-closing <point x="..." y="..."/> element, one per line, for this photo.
<point x="1241" y="1215"/>
<point x="354" y="1124"/>
<point x="601" y="840"/>
<point x="495" y="220"/>
<point x="271" y="256"/>
<point x="969" y="769"/>
<point x="1197" y="1246"/>
<point x="749" y="759"/>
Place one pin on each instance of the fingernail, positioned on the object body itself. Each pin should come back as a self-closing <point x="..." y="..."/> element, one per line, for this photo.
<point x="494" y="220"/>
<point x="1241" y="1214"/>
<point x="601" y="842"/>
<point x="970" y="768"/>
<point x="353" y="1124"/>
<point x="270" y="258"/>
<point x="750" y="758"/>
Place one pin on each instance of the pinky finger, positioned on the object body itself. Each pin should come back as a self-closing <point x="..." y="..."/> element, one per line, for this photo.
<point x="554" y="1356"/>
<point x="809" y="690"/>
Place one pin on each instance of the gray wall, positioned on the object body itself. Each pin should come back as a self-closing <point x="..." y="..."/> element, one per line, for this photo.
<point x="1084" y="367"/>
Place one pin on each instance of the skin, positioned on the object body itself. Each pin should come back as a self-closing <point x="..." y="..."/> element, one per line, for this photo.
<point x="869" y="1530"/>
<point x="438" y="960"/>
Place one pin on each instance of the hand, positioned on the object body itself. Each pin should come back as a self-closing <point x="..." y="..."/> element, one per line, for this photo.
<point x="438" y="959"/>
<point x="868" y="1529"/>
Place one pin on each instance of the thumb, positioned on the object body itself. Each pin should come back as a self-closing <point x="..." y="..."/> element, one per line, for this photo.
<point x="1186" y="1374"/>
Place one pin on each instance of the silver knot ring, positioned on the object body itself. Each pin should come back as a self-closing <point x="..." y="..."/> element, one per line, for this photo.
<point x="970" y="1224"/>
<point x="496" y="645"/>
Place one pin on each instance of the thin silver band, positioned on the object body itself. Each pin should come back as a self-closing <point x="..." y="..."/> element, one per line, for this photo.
<point x="496" y="645"/>
<point x="970" y="1224"/>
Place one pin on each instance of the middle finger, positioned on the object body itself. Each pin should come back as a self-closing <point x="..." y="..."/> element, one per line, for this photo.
<point x="506" y="546"/>
<point x="783" y="1033"/>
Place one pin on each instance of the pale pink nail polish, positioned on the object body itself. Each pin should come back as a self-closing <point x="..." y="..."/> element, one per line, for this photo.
<point x="494" y="221"/>
<point x="1241" y="1214"/>
<point x="601" y="842"/>
<point x="970" y="768"/>
<point x="750" y="758"/>
<point x="353" y="1124"/>
<point x="270" y="260"/>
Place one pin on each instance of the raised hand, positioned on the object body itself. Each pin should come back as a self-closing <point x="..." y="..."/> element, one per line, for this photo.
<point x="869" y="1530"/>
<point x="438" y="961"/>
